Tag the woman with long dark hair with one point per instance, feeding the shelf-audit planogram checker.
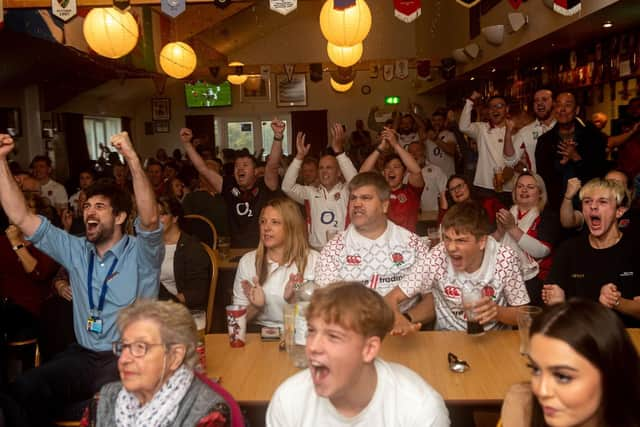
(585, 371)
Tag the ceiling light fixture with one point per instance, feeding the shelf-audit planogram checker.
(607, 24)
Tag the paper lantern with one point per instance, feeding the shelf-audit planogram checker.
(178, 60)
(344, 56)
(341, 87)
(345, 27)
(238, 78)
(110, 32)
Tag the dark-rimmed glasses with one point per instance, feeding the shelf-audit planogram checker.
(136, 348)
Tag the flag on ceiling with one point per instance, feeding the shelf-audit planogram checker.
(407, 10)
(515, 3)
(283, 7)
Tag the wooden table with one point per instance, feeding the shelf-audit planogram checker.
(252, 373)
(231, 262)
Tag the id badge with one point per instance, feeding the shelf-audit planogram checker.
(94, 324)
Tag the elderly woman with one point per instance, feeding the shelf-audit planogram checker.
(530, 230)
(585, 371)
(185, 274)
(265, 277)
(158, 385)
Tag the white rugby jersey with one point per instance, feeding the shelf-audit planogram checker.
(397, 256)
(327, 208)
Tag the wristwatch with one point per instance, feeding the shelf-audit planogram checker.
(407, 316)
(18, 247)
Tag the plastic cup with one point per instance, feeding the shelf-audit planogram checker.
(200, 317)
(470, 296)
(498, 179)
(525, 316)
(237, 325)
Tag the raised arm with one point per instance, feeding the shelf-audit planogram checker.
(507, 149)
(464, 123)
(271, 169)
(614, 141)
(212, 177)
(415, 172)
(296, 191)
(143, 192)
(11, 197)
(569, 217)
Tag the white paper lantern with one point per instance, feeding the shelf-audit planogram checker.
(178, 60)
(110, 32)
(344, 56)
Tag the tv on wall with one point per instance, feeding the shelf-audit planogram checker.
(203, 94)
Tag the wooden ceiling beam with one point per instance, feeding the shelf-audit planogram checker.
(197, 18)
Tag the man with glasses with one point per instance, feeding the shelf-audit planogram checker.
(490, 138)
(108, 269)
(569, 150)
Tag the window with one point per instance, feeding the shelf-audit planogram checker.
(240, 135)
(251, 133)
(99, 131)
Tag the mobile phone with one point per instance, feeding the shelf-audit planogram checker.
(270, 334)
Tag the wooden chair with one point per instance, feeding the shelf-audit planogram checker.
(213, 256)
(201, 228)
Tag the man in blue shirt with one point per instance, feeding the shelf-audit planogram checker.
(108, 270)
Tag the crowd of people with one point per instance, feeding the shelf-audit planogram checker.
(529, 212)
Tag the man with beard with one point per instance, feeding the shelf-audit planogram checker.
(327, 202)
(467, 259)
(404, 200)
(603, 264)
(244, 193)
(347, 383)
(373, 250)
(569, 150)
(410, 128)
(519, 150)
(490, 138)
(109, 270)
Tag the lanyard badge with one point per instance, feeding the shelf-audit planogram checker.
(94, 322)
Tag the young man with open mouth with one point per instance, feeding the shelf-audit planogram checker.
(347, 383)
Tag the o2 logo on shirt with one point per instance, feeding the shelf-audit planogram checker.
(243, 209)
(328, 217)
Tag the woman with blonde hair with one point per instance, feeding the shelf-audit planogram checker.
(266, 277)
(530, 230)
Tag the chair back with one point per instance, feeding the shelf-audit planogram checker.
(215, 263)
(201, 228)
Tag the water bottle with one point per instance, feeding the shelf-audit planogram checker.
(295, 324)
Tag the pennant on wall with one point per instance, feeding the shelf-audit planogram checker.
(515, 3)
(288, 70)
(265, 70)
(374, 69)
(387, 72)
(402, 69)
(423, 69)
(468, 3)
(407, 10)
(343, 4)
(64, 9)
(567, 7)
(283, 7)
(315, 72)
(172, 8)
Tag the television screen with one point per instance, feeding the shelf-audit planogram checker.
(203, 94)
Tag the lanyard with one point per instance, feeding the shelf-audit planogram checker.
(103, 290)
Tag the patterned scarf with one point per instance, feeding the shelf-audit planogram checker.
(161, 410)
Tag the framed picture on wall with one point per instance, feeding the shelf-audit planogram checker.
(255, 89)
(161, 126)
(160, 109)
(291, 93)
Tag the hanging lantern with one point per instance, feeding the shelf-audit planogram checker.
(338, 87)
(238, 77)
(345, 27)
(178, 60)
(110, 32)
(344, 56)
